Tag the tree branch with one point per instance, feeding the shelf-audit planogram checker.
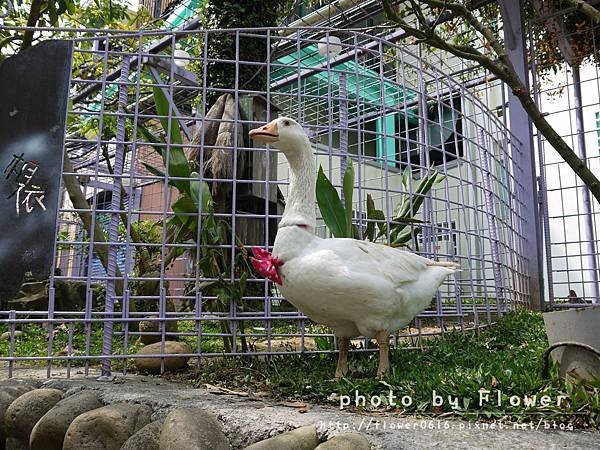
(394, 17)
(35, 12)
(486, 32)
(440, 14)
(585, 8)
(505, 71)
(79, 202)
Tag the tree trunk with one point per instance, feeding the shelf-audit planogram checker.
(79, 202)
(557, 142)
(35, 13)
(586, 9)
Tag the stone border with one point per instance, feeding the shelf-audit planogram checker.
(63, 417)
(245, 421)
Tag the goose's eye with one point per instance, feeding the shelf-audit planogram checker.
(286, 123)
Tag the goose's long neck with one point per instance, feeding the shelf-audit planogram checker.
(300, 201)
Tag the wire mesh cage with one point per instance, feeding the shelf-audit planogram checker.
(567, 89)
(164, 194)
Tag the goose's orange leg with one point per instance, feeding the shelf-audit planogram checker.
(383, 339)
(342, 364)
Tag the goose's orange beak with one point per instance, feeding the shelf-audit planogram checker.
(267, 133)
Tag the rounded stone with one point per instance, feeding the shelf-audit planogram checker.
(148, 326)
(16, 444)
(8, 394)
(192, 429)
(25, 411)
(346, 441)
(106, 428)
(303, 438)
(146, 438)
(6, 335)
(172, 361)
(49, 432)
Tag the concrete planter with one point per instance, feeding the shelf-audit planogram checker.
(575, 325)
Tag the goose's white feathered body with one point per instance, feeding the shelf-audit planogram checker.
(354, 287)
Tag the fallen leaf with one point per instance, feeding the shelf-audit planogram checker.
(224, 391)
(294, 404)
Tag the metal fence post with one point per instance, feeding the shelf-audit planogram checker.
(521, 128)
(113, 233)
(490, 213)
(588, 214)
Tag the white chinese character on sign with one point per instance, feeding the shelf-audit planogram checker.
(28, 194)
(34, 191)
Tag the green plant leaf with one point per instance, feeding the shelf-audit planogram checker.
(370, 231)
(348, 187)
(195, 186)
(173, 157)
(178, 163)
(355, 233)
(163, 109)
(70, 6)
(411, 208)
(152, 139)
(405, 175)
(405, 237)
(153, 170)
(184, 206)
(207, 201)
(330, 206)
(374, 214)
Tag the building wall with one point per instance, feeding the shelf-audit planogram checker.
(150, 5)
(462, 186)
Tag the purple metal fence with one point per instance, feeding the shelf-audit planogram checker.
(567, 90)
(366, 98)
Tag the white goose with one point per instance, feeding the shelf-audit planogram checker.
(352, 286)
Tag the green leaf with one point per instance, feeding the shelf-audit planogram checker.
(70, 5)
(195, 186)
(163, 109)
(242, 283)
(153, 170)
(427, 182)
(173, 157)
(186, 232)
(405, 175)
(330, 206)
(348, 187)
(178, 167)
(185, 206)
(411, 206)
(370, 232)
(207, 200)
(374, 214)
(404, 238)
(152, 139)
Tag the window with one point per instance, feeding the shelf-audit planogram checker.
(444, 236)
(395, 138)
(444, 128)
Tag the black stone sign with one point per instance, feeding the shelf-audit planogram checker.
(34, 91)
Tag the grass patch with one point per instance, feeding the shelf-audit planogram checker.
(505, 358)
(84, 340)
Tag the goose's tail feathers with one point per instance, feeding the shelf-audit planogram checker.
(455, 267)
